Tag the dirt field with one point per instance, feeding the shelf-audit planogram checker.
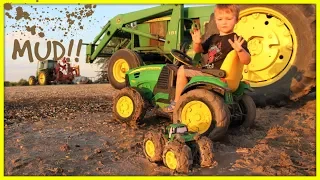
(69, 130)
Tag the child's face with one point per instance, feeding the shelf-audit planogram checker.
(225, 21)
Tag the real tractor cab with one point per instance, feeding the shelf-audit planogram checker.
(178, 148)
(208, 104)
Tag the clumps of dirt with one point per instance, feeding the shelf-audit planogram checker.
(7, 6)
(93, 154)
(22, 14)
(8, 15)
(65, 147)
(41, 34)
(39, 21)
(288, 146)
(31, 29)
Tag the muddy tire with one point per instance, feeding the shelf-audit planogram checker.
(43, 77)
(295, 78)
(153, 144)
(205, 149)
(177, 156)
(129, 106)
(209, 107)
(120, 62)
(32, 81)
(248, 107)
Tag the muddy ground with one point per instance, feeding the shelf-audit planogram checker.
(69, 130)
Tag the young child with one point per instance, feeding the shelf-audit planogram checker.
(217, 46)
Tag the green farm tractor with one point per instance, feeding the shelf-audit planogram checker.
(178, 148)
(208, 104)
(52, 72)
(282, 53)
(45, 73)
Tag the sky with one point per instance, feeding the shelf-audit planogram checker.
(61, 23)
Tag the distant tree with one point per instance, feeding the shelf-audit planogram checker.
(6, 83)
(23, 82)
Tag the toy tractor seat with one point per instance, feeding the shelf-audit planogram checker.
(233, 68)
(230, 70)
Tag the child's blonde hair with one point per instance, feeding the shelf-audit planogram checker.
(234, 9)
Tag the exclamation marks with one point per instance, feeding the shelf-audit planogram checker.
(78, 50)
(70, 49)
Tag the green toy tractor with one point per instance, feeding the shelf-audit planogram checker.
(208, 104)
(178, 148)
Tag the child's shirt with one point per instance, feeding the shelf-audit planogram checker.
(217, 47)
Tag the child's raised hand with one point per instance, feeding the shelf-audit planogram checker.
(196, 36)
(237, 43)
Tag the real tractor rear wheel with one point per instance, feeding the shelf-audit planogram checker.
(281, 40)
(177, 156)
(129, 106)
(120, 62)
(43, 77)
(32, 81)
(153, 144)
(203, 112)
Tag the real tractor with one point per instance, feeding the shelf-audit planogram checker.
(51, 71)
(177, 148)
(281, 40)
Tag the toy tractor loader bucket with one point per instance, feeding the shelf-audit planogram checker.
(233, 68)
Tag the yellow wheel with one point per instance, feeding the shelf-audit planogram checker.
(128, 106)
(125, 106)
(43, 77)
(153, 146)
(171, 160)
(281, 40)
(197, 116)
(119, 70)
(204, 112)
(150, 150)
(32, 80)
(177, 156)
(270, 37)
(120, 62)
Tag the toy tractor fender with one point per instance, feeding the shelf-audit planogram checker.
(205, 85)
(242, 89)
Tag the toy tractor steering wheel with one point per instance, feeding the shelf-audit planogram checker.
(181, 57)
